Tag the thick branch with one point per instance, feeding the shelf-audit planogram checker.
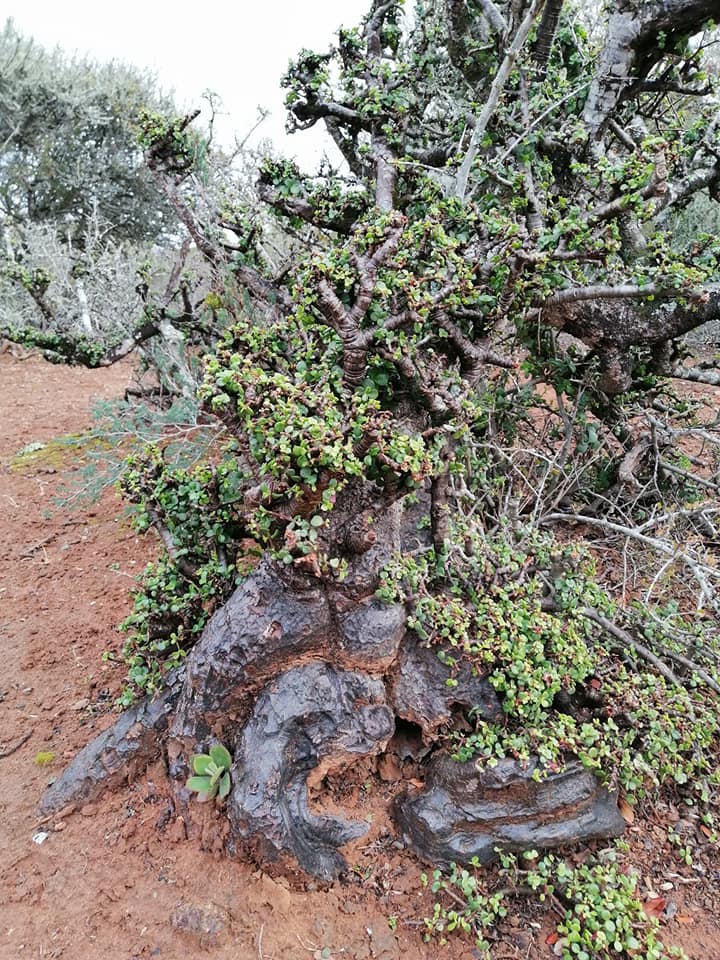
(459, 31)
(79, 350)
(145, 332)
(356, 342)
(546, 33)
(303, 209)
(473, 355)
(310, 112)
(628, 291)
(632, 38)
(616, 318)
(385, 174)
(263, 290)
(369, 267)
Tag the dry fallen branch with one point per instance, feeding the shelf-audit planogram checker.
(705, 574)
(624, 638)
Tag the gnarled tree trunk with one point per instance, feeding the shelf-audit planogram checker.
(301, 679)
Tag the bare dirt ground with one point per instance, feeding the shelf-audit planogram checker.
(120, 877)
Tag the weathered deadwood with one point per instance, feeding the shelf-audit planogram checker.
(310, 715)
(631, 48)
(421, 693)
(124, 749)
(261, 630)
(464, 812)
(266, 627)
(612, 327)
(292, 675)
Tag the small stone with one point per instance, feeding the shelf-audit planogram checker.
(128, 829)
(80, 704)
(59, 827)
(66, 811)
(383, 944)
(89, 810)
(207, 922)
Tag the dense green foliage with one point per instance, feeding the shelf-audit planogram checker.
(519, 608)
(182, 588)
(603, 917)
(69, 142)
(411, 345)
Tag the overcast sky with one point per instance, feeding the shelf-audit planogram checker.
(239, 49)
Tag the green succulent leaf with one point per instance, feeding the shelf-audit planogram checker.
(221, 756)
(201, 762)
(200, 784)
(224, 786)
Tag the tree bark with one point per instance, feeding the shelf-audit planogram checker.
(631, 37)
(301, 679)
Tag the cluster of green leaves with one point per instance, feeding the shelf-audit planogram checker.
(651, 753)
(59, 347)
(564, 690)
(604, 918)
(279, 388)
(331, 200)
(212, 773)
(384, 98)
(175, 145)
(484, 603)
(197, 506)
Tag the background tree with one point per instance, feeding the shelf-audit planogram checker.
(88, 239)
(459, 358)
(69, 143)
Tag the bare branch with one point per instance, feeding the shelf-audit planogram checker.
(702, 572)
(498, 85)
(626, 291)
(627, 640)
(186, 568)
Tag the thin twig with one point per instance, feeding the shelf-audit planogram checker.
(700, 571)
(694, 667)
(624, 637)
